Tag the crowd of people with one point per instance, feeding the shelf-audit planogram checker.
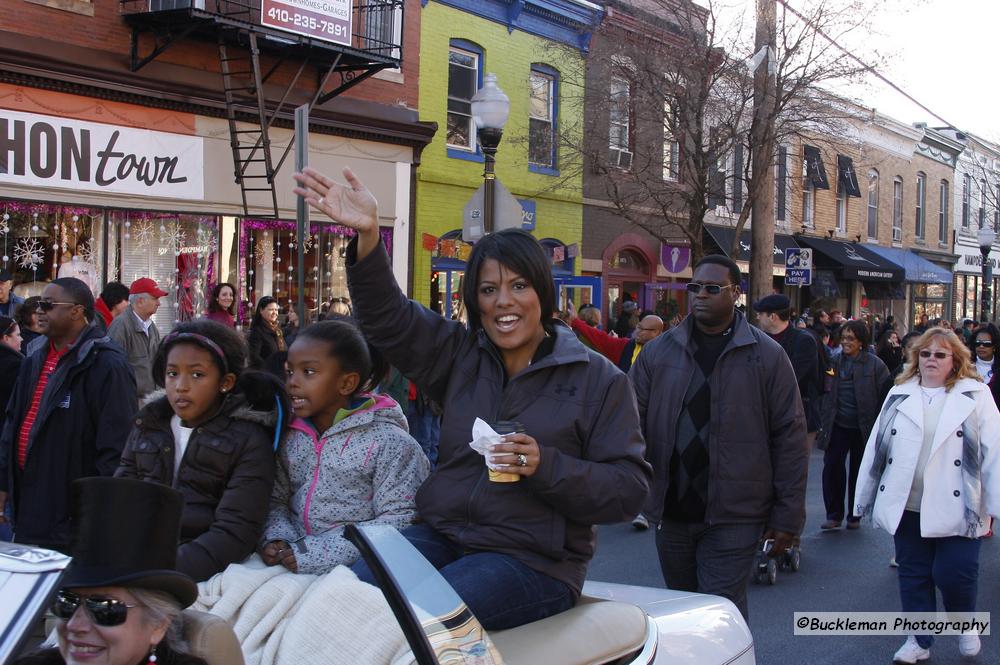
(272, 441)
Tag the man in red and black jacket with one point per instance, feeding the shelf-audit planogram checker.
(622, 351)
(113, 301)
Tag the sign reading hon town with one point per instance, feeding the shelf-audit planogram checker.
(46, 151)
(329, 20)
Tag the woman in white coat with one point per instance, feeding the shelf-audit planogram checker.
(931, 477)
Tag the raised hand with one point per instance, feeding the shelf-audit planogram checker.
(351, 205)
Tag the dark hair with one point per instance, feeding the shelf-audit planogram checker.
(213, 301)
(907, 337)
(883, 341)
(79, 293)
(114, 293)
(726, 262)
(230, 342)
(518, 251)
(994, 333)
(259, 388)
(6, 323)
(860, 330)
(25, 310)
(348, 345)
(783, 314)
(258, 320)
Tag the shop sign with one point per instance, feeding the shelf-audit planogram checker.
(47, 151)
(327, 20)
(970, 259)
(527, 214)
(675, 258)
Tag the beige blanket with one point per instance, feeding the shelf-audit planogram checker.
(282, 618)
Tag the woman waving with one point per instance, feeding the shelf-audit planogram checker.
(515, 552)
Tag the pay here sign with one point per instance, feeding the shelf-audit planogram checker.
(329, 20)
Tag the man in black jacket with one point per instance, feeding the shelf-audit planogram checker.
(68, 417)
(773, 315)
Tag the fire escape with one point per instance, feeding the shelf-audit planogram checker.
(268, 50)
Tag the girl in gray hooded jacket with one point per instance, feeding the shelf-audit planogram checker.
(347, 459)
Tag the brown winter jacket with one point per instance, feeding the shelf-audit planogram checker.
(758, 455)
(226, 477)
(575, 403)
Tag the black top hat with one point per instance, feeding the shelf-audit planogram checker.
(125, 533)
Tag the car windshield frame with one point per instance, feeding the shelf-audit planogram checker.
(29, 576)
(438, 625)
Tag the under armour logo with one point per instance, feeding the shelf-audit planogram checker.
(560, 389)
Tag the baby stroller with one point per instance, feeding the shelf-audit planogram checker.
(766, 569)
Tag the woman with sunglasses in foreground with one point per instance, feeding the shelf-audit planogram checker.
(122, 598)
(931, 477)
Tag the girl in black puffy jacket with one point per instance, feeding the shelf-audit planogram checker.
(212, 437)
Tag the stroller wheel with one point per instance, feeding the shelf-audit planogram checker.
(772, 571)
(796, 560)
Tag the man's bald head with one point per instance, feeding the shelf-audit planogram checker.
(648, 329)
(591, 316)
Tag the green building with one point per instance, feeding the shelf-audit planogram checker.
(529, 45)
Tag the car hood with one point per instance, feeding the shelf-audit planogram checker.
(693, 627)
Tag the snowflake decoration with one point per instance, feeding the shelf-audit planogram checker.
(260, 249)
(173, 237)
(143, 233)
(28, 253)
(85, 252)
(4, 225)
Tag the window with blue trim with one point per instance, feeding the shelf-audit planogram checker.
(465, 76)
(543, 110)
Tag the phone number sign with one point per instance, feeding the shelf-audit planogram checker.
(329, 20)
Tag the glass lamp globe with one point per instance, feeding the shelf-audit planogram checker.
(986, 236)
(490, 106)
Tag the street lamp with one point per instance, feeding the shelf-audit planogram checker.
(490, 108)
(986, 237)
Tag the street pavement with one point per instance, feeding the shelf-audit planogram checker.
(841, 571)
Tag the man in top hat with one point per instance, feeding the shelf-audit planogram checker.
(136, 333)
(773, 315)
(68, 417)
(8, 299)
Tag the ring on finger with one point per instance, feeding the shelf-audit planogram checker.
(522, 459)
(322, 201)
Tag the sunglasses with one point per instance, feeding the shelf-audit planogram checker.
(105, 611)
(49, 305)
(711, 289)
(984, 343)
(940, 355)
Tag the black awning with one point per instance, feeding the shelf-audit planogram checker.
(722, 236)
(815, 171)
(851, 261)
(847, 179)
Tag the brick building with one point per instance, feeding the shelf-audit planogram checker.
(531, 48)
(151, 138)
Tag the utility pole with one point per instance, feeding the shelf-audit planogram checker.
(762, 151)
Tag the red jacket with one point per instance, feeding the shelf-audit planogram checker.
(608, 346)
(103, 310)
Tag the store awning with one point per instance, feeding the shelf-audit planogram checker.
(851, 261)
(815, 170)
(918, 269)
(723, 237)
(847, 179)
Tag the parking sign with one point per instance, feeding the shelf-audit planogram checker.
(798, 266)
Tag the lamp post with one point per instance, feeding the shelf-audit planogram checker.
(490, 108)
(986, 237)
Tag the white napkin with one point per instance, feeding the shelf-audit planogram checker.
(484, 436)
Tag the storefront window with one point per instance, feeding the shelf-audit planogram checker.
(43, 241)
(179, 251)
(269, 265)
(930, 299)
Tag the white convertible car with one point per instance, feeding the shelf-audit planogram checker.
(613, 623)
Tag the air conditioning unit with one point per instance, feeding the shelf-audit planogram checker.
(897, 234)
(621, 158)
(165, 5)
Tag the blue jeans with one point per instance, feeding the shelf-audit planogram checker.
(951, 564)
(500, 590)
(425, 427)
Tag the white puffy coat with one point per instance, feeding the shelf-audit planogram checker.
(942, 506)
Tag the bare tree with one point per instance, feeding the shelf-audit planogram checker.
(667, 94)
